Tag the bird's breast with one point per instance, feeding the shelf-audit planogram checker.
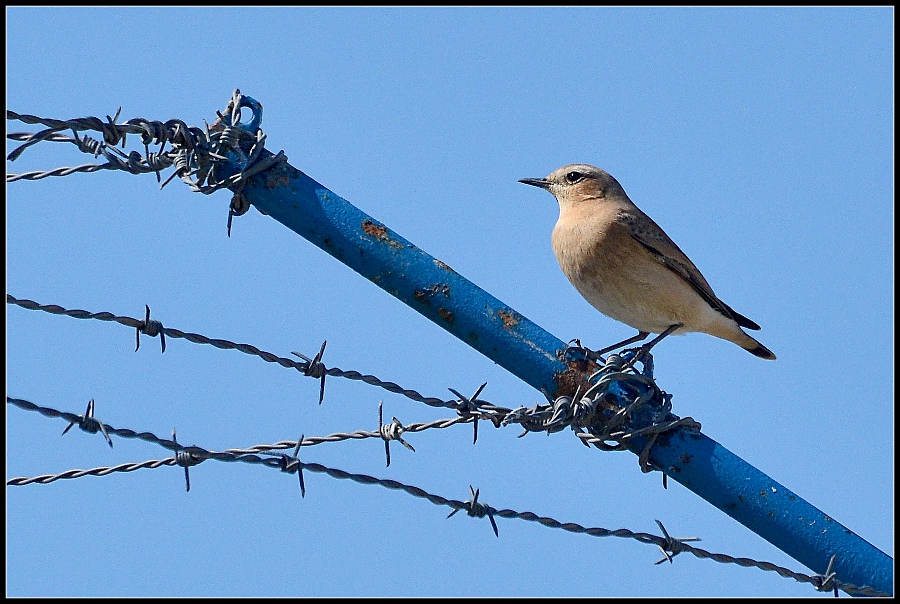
(589, 255)
(618, 277)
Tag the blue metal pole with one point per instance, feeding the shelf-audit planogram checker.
(493, 328)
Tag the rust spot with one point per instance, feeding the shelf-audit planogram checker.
(374, 230)
(274, 179)
(446, 314)
(379, 232)
(762, 493)
(685, 458)
(424, 295)
(569, 381)
(509, 319)
(442, 265)
(577, 374)
(441, 288)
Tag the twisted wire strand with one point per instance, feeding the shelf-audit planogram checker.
(196, 338)
(552, 418)
(195, 152)
(64, 171)
(194, 155)
(308, 441)
(103, 471)
(670, 546)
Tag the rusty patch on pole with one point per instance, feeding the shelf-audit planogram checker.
(379, 232)
(509, 318)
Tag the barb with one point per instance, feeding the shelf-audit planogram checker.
(292, 464)
(389, 432)
(478, 510)
(673, 546)
(603, 415)
(151, 328)
(89, 424)
(315, 368)
(468, 408)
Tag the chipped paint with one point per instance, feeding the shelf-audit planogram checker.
(509, 318)
(445, 314)
(442, 265)
(380, 233)
(375, 230)
(424, 295)
(569, 382)
(277, 178)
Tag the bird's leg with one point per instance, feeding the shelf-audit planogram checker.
(596, 354)
(643, 350)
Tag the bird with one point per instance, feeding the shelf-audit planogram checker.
(629, 269)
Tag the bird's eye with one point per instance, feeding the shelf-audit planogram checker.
(573, 177)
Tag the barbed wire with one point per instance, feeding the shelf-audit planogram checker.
(386, 432)
(195, 152)
(597, 417)
(193, 455)
(596, 411)
(311, 367)
(199, 155)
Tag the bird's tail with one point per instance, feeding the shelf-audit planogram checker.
(731, 332)
(755, 348)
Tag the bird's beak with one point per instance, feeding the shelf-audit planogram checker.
(536, 182)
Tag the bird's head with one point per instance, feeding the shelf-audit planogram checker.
(578, 183)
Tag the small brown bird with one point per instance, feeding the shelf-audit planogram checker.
(628, 268)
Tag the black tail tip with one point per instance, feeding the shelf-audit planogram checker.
(762, 352)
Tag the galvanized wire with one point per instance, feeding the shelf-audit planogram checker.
(308, 441)
(563, 412)
(195, 152)
(670, 546)
(485, 412)
(593, 411)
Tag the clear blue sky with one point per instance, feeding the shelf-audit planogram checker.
(760, 139)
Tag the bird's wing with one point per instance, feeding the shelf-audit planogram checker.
(646, 232)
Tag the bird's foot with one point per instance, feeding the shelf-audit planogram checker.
(591, 355)
(643, 353)
(637, 354)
